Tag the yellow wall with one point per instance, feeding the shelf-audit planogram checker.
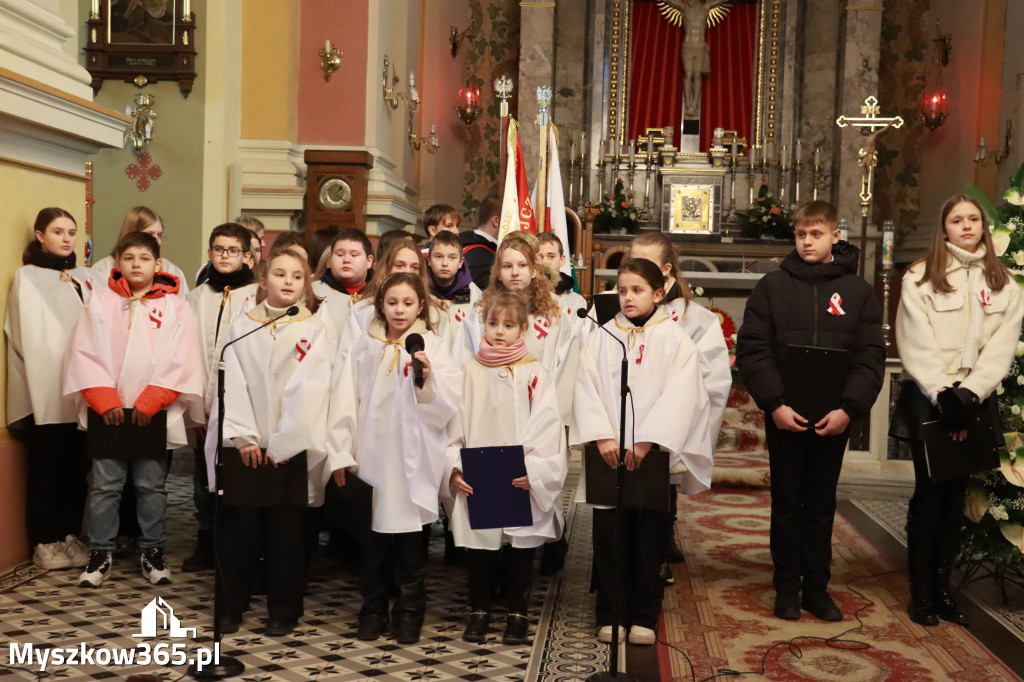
(270, 86)
(24, 191)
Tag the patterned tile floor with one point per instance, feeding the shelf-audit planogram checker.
(892, 515)
(47, 609)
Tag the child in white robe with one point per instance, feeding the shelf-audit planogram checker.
(450, 281)
(508, 399)
(275, 406)
(670, 409)
(347, 269)
(228, 291)
(142, 219)
(135, 344)
(549, 338)
(395, 433)
(43, 305)
(550, 254)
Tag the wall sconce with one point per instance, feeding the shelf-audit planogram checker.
(981, 154)
(140, 132)
(391, 98)
(1007, 146)
(414, 107)
(456, 37)
(934, 108)
(468, 105)
(330, 59)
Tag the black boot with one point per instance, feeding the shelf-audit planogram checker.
(410, 578)
(920, 554)
(476, 630)
(552, 556)
(671, 553)
(520, 576)
(948, 548)
(202, 555)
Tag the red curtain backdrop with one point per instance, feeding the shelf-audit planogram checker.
(656, 80)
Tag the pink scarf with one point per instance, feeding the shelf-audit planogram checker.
(501, 356)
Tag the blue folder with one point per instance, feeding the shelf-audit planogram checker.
(495, 502)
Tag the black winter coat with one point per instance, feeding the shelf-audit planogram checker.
(791, 307)
(479, 254)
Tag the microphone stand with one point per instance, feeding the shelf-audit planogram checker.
(612, 675)
(223, 666)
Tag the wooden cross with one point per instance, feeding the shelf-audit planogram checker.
(870, 125)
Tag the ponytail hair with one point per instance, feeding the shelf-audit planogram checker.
(667, 256)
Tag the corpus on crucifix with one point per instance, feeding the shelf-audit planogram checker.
(695, 16)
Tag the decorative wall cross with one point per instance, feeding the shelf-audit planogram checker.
(870, 125)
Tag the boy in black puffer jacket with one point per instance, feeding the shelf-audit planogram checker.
(816, 299)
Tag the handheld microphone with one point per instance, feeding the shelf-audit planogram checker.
(413, 344)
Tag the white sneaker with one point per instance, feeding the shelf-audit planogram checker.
(97, 570)
(51, 556)
(641, 635)
(154, 568)
(76, 550)
(604, 635)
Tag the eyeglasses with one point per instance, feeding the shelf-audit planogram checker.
(233, 251)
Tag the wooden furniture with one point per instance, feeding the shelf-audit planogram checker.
(336, 184)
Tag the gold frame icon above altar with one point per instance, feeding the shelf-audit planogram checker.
(691, 209)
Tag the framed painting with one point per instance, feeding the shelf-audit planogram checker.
(691, 202)
(141, 41)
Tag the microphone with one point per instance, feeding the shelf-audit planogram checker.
(584, 314)
(414, 344)
(291, 312)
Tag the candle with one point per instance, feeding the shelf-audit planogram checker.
(733, 149)
(412, 79)
(327, 46)
(433, 128)
(650, 145)
(632, 151)
(187, 14)
(817, 156)
(95, 7)
(572, 151)
(796, 156)
(888, 237)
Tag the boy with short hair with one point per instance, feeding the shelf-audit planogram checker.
(349, 269)
(816, 299)
(480, 245)
(228, 292)
(551, 254)
(135, 344)
(450, 281)
(441, 217)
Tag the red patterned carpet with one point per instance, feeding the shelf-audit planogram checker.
(719, 612)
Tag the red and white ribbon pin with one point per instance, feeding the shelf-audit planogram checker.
(541, 325)
(986, 298)
(640, 357)
(156, 316)
(835, 305)
(530, 388)
(302, 347)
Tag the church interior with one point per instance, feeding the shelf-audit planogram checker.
(708, 121)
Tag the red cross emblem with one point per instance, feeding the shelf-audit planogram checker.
(156, 316)
(541, 325)
(302, 347)
(143, 173)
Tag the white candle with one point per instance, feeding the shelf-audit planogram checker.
(433, 128)
(412, 79)
(327, 46)
(796, 156)
(817, 156)
(888, 237)
(650, 145)
(632, 151)
(732, 148)
(187, 14)
(982, 140)
(95, 7)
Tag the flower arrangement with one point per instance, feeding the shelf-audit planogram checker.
(768, 217)
(729, 330)
(617, 212)
(994, 531)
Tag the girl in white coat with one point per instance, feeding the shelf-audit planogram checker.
(275, 407)
(395, 433)
(508, 399)
(957, 328)
(43, 305)
(670, 409)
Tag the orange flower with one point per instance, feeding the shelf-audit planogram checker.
(625, 204)
(775, 210)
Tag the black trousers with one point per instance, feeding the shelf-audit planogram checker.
(804, 473)
(404, 556)
(515, 568)
(934, 520)
(57, 490)
(278, 533)
(202, 498)
(642, 537)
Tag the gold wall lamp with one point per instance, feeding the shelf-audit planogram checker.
(391, 98)
(330, 59)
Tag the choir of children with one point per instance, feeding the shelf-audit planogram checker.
(388, 380)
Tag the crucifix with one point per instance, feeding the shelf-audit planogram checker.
(870, 125)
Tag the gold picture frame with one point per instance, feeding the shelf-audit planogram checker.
(691, 209)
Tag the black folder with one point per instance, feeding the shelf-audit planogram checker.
(349, 508)
(495, 502)
(263, 486)
(606, 306)
(948, 459)
(127, 440)
(643, 488)
(813, 380)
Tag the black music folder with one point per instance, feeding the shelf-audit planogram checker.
(349, 508)
(948, 459)
(265, 485)
(644, 488)
(606, 306)
(495, 502)
(127, 440)
(813, 380)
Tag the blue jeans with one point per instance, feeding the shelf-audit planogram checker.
(149, 476)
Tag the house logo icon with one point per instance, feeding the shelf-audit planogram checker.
(155, 611)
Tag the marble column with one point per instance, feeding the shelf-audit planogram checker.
(860, 41)
(536, 68)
